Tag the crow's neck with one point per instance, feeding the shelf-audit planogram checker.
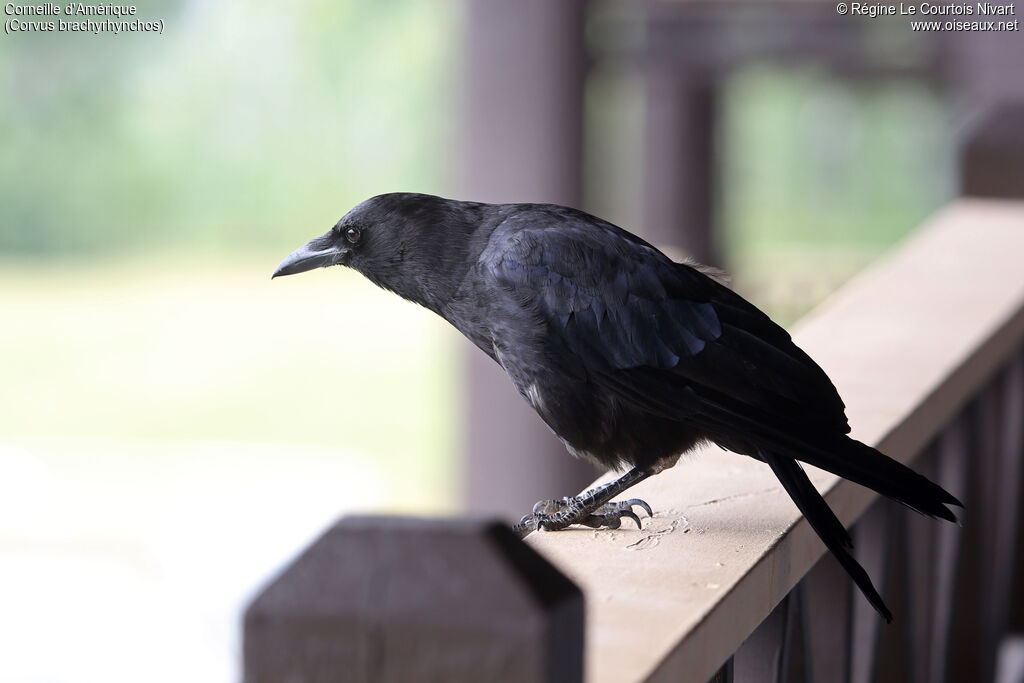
(428, 282)
(430, 263)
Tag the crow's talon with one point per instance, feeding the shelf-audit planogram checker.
(632, 516)
(642, 503)
(620, 507)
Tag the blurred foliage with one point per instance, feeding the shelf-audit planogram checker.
(816, 160)
(263, 123)
(254, 122)
(822, 175)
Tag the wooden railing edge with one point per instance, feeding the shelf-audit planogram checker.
(957, 288)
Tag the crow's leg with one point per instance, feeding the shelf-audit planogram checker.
(590, 508)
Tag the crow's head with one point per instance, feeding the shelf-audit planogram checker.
(412, 244)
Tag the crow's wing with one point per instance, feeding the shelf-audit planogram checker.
(651, 327)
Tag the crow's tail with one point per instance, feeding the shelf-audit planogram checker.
(838, 454)
(864, 465)
(824, 522)
(781, 446)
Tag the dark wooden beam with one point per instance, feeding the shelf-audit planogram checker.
(680, 175)
(391, 599)
(522, 131)
(992, 161)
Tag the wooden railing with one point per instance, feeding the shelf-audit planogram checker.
(727, 581)
(927, 349)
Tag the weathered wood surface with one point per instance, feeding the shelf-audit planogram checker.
(390, 599)
(907, 343)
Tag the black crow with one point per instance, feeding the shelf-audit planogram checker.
(630, 358)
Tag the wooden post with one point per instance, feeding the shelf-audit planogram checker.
(1011, 538)
(523, 137)
(992, 163)
(394, 599)
(826, 597)
(679, 152)
(764, 656)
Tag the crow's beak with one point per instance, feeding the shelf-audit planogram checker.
(319, 253)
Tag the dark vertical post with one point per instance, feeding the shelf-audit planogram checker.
(922, 550)
(992, 160)
(894, 651)
(679, 173)
(1008, 544)
(986, 68)
(988, 464)
(522, 135)
(963, 661)
(953, 472)
(1012, 534)
(826, 595)
(387, 600)
(872, 545)
(764, 655)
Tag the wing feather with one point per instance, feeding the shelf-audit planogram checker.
(625, 308)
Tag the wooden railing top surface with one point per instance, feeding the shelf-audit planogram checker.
(907, 342)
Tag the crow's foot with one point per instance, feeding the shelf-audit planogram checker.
(553, 515)
(591, 508)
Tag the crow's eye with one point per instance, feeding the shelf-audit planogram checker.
(353, 235)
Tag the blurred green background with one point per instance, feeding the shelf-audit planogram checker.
(149, 186)
(245, 126)
(173, 424)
